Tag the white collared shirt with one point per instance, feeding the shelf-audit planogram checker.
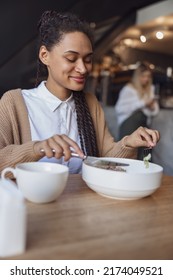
(48, 115)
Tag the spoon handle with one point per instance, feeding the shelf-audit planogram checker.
(72, 153)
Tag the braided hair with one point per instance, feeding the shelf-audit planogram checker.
(52, 26)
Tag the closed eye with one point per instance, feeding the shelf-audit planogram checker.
(70, 60)
(88, 60)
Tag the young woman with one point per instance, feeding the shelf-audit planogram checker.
(57, 115)
(136, 103)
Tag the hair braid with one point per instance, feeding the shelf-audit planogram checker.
(85, 125)
(52, 26)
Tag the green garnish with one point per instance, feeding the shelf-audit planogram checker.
(146, 160)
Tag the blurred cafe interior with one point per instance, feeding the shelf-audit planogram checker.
(126, 33)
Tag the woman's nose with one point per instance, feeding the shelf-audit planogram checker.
(81, 68)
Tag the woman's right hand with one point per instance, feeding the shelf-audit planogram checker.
(151, 104)
(61, 144)
(142, 137)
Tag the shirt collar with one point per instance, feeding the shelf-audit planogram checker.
(51, 100)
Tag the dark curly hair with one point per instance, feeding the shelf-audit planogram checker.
(52, 26)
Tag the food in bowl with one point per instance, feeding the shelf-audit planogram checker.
(146, 160)
(136, 182)
(108, 166)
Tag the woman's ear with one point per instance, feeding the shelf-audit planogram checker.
(44, 55)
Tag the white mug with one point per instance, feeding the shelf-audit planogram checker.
(40, 182)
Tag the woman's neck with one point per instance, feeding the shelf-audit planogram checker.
(61, 93)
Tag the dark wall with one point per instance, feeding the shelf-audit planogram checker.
(131, 56)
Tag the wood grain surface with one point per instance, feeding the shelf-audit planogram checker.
(84, 225)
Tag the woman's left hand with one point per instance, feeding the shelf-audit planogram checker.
(151, 104)
(142, 137)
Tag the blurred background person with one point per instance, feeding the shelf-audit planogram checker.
(92, 80)
(104, 79)
(137, 103)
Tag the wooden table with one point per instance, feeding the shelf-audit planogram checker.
(84, 225)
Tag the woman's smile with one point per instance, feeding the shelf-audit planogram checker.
(78, 79)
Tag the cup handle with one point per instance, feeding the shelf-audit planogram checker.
(6, 170)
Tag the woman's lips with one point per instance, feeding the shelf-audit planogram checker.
(79, 80)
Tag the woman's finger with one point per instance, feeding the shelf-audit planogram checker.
(154, 135)
(56, 148)
(75, 147)
(42, 148)
(149, 137)
(64, 146)
(67, 145)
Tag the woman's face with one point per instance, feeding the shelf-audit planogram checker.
(68, 62)
(145, 78)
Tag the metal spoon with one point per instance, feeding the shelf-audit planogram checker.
(95, 160)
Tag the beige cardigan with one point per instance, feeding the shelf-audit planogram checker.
(15, 135)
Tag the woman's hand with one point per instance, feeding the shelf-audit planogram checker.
(151, 104)
(142, 137)
(61, 144)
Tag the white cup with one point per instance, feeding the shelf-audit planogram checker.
(40, 182)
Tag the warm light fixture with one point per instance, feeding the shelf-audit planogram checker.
(159, 35)
(93, 25)
(169, 72)
(143, 38)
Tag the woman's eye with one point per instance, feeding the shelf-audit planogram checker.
(88, 60)
(71, 59)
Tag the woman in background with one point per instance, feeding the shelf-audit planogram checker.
(136, 103)
(47, 122)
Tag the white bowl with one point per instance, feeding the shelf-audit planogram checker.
(137, 182)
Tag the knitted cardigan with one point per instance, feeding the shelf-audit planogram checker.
(16, 145)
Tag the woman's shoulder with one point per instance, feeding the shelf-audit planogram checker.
(90, 97)
(12, 97)
(12, 94)
(128, 88)
(93, 103)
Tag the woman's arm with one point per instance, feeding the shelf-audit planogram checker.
(152, 106)
(15, 140)
(14, 147)
(127, 147)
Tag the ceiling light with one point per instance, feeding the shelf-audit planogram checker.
(159, 35)
(169, 72)
(152, 66)
(143, 38)
(93, 25)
